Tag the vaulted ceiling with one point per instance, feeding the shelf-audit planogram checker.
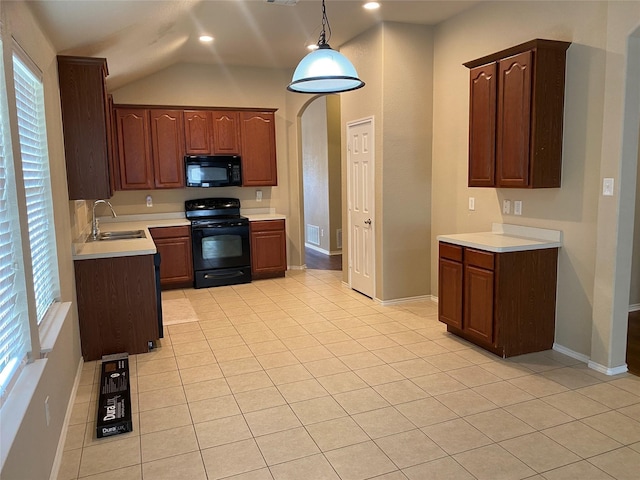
(141, 37)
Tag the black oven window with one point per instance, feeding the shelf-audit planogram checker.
(221, 246)
(199, 174)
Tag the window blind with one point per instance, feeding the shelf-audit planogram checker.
(14, 322)
(37, 183)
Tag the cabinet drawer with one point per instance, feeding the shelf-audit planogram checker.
(170, 232)
(267, 225)
(479, 258)
(452, 252)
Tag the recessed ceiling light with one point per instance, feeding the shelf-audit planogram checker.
(206, 38)
(371, 5)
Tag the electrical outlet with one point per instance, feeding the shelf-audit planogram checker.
(506, 207)
(607, 187)
(472, 203)
(149, 201)
(47, 414)
(258, 195)
(517, 207)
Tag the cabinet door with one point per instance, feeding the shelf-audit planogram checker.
(514, 120)
(85, 125)
(482, 126)
(258, 136)
(226, 132)
(268, 248)
(167, 140)
(450, 292)
(478, 303)
(197, 132)
(176, 263)
(134, 150)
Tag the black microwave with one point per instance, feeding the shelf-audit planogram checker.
(213, 171)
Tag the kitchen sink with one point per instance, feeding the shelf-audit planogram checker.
(118, 235)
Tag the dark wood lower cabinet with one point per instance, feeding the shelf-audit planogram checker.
(116, 305)
(176, 262)
(268, 249)
(503, 302)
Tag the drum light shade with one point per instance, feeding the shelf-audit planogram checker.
(324, 70)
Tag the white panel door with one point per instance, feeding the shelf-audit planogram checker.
(360, 184)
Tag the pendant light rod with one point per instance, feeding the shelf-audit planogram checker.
(324, 40)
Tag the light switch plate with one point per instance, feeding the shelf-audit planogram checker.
(607, 187)
(472, 203)
(517, 207)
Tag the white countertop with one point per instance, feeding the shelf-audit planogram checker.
(82, 250)
(504, 237)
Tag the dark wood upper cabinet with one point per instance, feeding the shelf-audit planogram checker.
(516, 116)
(167, 142)
(482, 126)
(153, 140)
(134, 149)
(514, 121)
(226, 132)
(85, 122)
(257, 131)
(198, 135)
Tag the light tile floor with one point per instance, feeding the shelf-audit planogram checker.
(303, 379)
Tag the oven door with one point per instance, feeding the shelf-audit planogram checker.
(220, 246)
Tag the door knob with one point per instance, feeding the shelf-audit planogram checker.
(367, 222)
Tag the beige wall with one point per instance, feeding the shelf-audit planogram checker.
(396, 61)
(334, 151)
(573, 208)
(315, 170)
(58, 377)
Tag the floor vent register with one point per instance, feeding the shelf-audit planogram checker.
(114, 401)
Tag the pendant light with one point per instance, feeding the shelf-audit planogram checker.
(324, 70)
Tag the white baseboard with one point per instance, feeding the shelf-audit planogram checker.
(634, 308)
(57, 461)
(399, 301)
(297, 267)
(433, 298)
(606, 370)
(571, 353)
(593, 365)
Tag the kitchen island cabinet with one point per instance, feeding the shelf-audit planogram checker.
(116, 305)
(502, 300)
(516, 108)
(268, 248)
(86, 123)
(176, 263)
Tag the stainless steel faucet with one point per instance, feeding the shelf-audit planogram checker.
(95, 230)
